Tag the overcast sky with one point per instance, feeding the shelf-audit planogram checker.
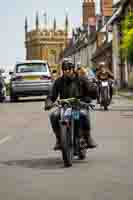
(12, 17)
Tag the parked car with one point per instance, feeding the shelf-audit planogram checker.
(30, 78)
(2, 86)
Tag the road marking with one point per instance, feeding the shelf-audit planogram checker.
(5, 139)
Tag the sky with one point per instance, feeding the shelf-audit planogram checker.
(12, 18)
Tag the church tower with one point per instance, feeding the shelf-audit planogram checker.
(37, 22)
(26, 26)
(66, 30)
(46, 43)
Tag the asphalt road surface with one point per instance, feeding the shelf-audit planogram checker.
(31, 170)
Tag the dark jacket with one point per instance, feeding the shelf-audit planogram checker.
(78, 87)
(104, 76)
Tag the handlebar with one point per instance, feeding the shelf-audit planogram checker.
(72, 101)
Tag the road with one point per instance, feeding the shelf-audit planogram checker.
(31, 170)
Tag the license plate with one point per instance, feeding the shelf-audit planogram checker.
(76, 115)
(105, 84)
(31, 78)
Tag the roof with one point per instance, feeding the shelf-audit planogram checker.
(31, 61)
(101, 49)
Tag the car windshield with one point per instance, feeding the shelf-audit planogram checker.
(31, 67)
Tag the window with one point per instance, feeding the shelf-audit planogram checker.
(31, 67)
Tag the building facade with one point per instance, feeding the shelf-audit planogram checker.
(122, 68)
(45, 44)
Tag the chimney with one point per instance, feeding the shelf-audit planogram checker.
(88, 8)
(106, 9)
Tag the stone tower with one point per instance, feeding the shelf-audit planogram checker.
(88, 9)
(46, 44)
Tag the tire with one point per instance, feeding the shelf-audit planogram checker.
(105, 98)
(2, 96)
(66, 144)
(82, 154)
(13, 98)
(1, 100)
(82, 149)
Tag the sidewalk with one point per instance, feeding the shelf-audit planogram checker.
(126, 94)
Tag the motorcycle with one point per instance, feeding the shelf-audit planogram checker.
(104, 95)
(72, 142)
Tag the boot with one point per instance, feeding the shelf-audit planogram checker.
(90, 143)
(58, 143)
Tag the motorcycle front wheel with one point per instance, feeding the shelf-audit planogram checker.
(66, 146)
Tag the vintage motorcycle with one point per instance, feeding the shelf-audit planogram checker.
(72, 142)
(104, 95)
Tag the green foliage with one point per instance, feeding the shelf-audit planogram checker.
(53, 51)
(127, 37)
(130, 80)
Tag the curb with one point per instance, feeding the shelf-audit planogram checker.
(129, 97)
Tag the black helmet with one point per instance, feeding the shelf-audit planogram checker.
(67, 65)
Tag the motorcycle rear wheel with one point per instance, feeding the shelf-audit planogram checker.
(82, 154)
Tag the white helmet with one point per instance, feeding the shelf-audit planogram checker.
(102, 63)
(67, 59)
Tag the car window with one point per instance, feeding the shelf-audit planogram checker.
(31, 67)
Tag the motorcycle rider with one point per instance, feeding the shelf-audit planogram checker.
(103, 73)
(67, 86)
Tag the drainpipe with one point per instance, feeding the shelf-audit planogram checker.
(126, 72)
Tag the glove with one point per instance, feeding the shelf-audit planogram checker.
(86, 99)
(48, 104)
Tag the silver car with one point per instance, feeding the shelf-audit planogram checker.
(30, 78)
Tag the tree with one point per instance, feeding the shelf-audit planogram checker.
(127, 37)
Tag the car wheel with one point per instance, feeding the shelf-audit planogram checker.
(13, 97)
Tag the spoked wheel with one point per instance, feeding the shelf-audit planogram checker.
(67, 147)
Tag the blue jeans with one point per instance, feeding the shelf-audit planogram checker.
(84, 121)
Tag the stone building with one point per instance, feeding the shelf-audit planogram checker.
(46, 44)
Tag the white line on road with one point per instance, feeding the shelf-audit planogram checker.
(5, 139)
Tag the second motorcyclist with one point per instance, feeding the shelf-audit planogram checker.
(103, 73)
